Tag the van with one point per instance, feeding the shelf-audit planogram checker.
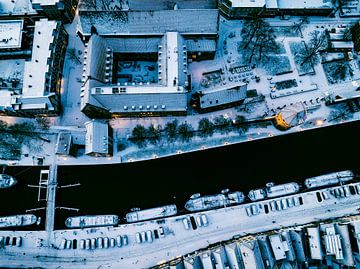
(204, 219)
(149, 236)
(138, 238)
(272, 206)
(248, 211)
(18, 241)
(82, 244)
(143, 236)
(99, 242)
(186, 223)
(112, 242)
(62, 244)
(68, 244)
(284, 204)
(198, 221)
(125, 240)
(106, 242)
(161, 232)
(93, 243)
(119, 241)
(87, 244)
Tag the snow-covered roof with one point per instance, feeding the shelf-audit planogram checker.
(45, 2)
(97, 135)
(277, 246)
(199, 45)
(145, 97)
(16, 7)
(36, 69)
(150, 22)
(271, 3)
(247, 3)
(10, 34)
(303, 4)
(63, 143)
(144, 102)
(134, 44)
(250, 255)
(161, 4)
(222, 95)
(174, 58)
(314, 243)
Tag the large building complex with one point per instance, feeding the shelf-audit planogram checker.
(136, 62)
(63, 10)
(270, 8)
(34, 88)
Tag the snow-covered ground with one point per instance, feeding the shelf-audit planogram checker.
(227, 55)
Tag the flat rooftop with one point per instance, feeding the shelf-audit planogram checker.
(16, 7)
(10, 34)
(301, 4)
(248, 3)
(35, 70)
(45, 2)
(150, 22)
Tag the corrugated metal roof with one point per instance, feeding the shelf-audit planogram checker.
(150, 22)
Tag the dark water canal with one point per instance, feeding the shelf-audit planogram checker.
(115, 189)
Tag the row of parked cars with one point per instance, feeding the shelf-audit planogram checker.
(11, 241)
(195, 222)
(95, 243)
(149, 235)
(275, 205)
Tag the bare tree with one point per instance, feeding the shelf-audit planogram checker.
(258, 39)
(309, 53)
(298, 26)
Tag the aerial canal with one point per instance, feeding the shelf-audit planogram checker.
(115, 189)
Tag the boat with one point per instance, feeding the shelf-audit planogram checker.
(91, 221)
(206, 202)
(271, 190)
(329, 179)
(18, 220)
(152, 213)
(7, 181)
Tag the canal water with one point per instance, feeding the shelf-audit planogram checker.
(115, 189)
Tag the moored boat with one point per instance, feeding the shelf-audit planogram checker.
(329, 179)
(91, 221)
(206, 202)
(7, 181)
(271, 190)
(18, 220)
(152, 213)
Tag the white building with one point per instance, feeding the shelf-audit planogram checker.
(40, 91)
(97, 141)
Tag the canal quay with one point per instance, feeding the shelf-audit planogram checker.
(115, 189)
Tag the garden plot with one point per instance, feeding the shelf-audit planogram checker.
(277, 65)
(338, 71)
